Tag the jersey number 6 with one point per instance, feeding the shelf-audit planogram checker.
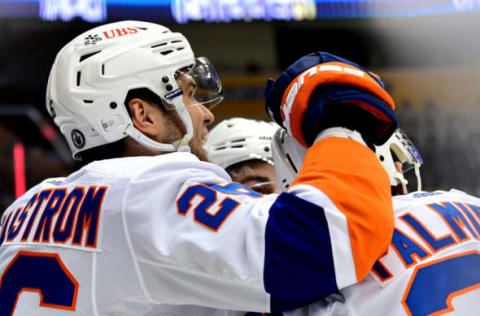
(43, 273)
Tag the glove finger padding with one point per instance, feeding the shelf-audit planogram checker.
(322, 90)
(350, 108)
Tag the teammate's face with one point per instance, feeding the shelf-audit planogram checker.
(201, 117)
(257, 175)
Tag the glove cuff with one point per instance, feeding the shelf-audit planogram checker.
(340, 132)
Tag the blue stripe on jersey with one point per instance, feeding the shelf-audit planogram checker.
(298, 254)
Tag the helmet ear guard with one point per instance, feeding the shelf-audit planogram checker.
(288, 156)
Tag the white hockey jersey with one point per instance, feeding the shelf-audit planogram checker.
(432, 266)
(171, 235)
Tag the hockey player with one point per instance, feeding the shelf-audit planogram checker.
(432, 264)
(147, 228)
(243, 148)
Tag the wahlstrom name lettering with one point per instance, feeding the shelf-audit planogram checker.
(56, 216)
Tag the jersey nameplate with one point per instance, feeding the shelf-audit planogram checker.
(461, 219)
(58, 217)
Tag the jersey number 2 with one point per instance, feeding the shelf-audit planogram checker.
(43, 273)
(204, 213)
(433, 285)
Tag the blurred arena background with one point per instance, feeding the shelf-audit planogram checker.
(427, 52)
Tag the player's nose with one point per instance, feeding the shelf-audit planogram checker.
(208, 116)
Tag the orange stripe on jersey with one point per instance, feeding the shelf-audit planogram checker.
(333, 73)
(354, 180)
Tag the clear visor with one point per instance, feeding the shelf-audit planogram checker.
(406, 167)
(409, 155)
(200, 83)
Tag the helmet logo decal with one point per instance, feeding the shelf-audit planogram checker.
(78, 138)
(92, 39)
(120, 32)
(175, 93)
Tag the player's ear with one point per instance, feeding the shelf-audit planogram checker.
(143, 116)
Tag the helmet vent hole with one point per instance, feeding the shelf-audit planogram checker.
(176, 41)
(79, 76)
(381, 158)
(82, 58)
(103, 69)
(237, 146)
(291, 163)
(238, 140)
(180, 48)
(87, 101)
(158, 45)
(166, 52)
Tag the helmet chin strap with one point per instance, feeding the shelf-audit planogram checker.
(187, 121)
(145, 141)
(180, 145)
(419, 178)
(401, 180)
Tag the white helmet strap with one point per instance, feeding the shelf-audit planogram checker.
(151, 144)
(187, 121)
(401, 180)
(178, 145)
(419, 178)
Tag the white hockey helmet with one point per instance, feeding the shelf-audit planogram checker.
(92, 75)
(237, 140)
(288, 156)
(405, 152)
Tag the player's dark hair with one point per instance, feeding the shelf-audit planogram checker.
(146, 95)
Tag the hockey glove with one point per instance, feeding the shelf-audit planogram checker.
(321, 90)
